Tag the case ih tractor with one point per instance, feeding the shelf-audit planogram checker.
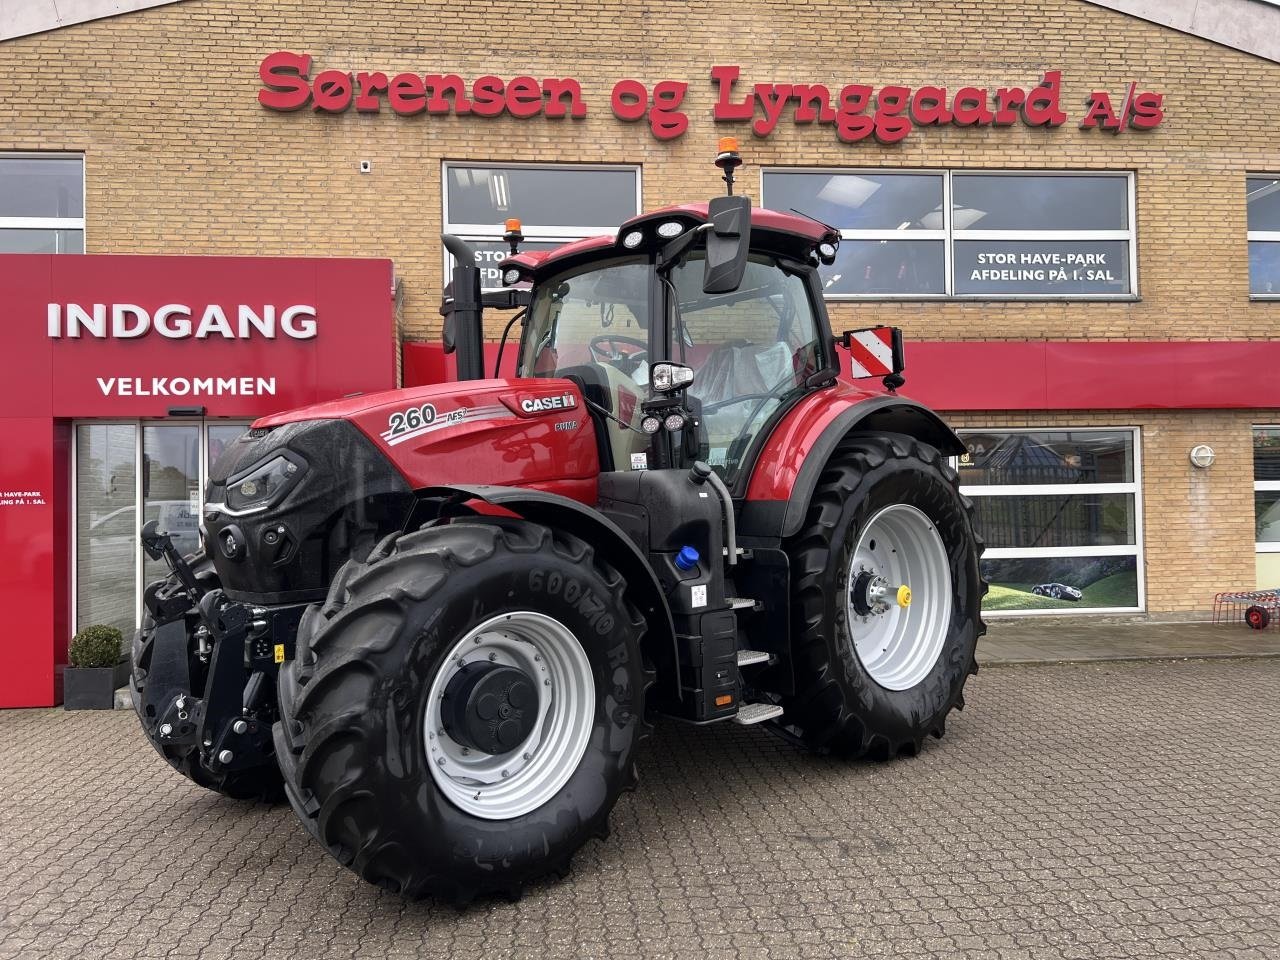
(442, 619)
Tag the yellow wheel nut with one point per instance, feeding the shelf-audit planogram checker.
(904, 596)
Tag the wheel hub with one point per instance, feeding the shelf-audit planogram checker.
(870, 594)
(508, 714)
(490, 708)
(898, 637)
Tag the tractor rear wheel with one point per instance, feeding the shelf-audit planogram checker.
(886, 600)
(464, 710)
(261, 782)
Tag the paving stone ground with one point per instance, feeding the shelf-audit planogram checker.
(1095, 810)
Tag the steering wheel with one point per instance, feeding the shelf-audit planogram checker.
(612, 354)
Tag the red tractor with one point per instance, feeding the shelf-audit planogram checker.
(442, 619)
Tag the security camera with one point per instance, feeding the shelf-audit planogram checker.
(366, 166)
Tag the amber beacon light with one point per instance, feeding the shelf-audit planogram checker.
(728, 160)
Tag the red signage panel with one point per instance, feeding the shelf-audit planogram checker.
(102, 336)
(29, 580)
(135, 337)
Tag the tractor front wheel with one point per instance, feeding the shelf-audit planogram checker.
(886, 600)
(463, 711)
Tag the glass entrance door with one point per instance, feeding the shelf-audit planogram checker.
(127, 474)
(171, 488)
(106, 498)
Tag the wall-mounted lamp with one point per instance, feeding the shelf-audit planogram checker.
(1202, 456)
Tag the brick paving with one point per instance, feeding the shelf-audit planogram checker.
(1095, 810)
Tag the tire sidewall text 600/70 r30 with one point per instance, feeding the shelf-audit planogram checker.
(897, 484)
(353, 740)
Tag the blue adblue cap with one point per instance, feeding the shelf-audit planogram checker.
(687, 558)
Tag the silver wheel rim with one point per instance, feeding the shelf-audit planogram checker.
(898, 644)
(507, 785)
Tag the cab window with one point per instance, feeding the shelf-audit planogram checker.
(751, 350)
(597, 315)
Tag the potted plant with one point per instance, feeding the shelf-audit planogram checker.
(97, 669)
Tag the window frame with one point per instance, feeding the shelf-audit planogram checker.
(948, 235)
(1264, 486)
(533, 233)
(1259, 236)
(51, 223)
(1137, 549)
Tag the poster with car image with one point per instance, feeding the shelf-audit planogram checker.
(1061, 583)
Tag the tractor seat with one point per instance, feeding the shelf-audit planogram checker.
(740, 368)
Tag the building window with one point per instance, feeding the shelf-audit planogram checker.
(127, 474)
(1266, 504)
(554, 204)
(41, 203)
(1262, 201)
(1061, 514)
(1009, 235)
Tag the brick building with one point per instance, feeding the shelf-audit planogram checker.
(1079, 231)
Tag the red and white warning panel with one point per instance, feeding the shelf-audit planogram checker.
(874, 351)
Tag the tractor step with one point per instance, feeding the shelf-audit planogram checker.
(757, 713)
(740, 603)
(748, 657)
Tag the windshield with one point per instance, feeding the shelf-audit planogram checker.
(751, 351)
(595, 315)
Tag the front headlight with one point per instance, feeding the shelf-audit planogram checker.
(263, 485)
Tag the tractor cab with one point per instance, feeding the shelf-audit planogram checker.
(689, 332)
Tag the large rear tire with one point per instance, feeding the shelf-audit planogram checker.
(877, 668)
(377, 758)
(260, 782)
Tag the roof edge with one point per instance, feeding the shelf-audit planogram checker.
(1250, 26)
(29, 17)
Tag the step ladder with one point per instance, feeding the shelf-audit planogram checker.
(750, 713)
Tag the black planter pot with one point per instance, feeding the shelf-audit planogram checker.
(93, 688)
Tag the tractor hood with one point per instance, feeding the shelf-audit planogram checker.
(286, 506)
(529, 431)
(303, 491)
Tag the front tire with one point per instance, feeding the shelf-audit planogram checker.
(878, 669)
(412, 791)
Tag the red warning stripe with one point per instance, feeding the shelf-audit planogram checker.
(872, 352)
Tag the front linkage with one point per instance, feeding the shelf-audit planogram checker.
(229, 652)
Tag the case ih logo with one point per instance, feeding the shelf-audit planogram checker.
(854, 111)
(565, 401)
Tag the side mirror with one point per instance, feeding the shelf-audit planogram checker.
(728, 244)
(876, 352)
(153, 541)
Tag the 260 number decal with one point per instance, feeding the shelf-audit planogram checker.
(402, 421)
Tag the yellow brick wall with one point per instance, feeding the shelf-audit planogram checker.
(181, 158)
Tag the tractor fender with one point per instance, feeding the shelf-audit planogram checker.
(798, 448)
(561, 513)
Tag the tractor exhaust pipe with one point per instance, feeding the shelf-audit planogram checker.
(463, 311)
